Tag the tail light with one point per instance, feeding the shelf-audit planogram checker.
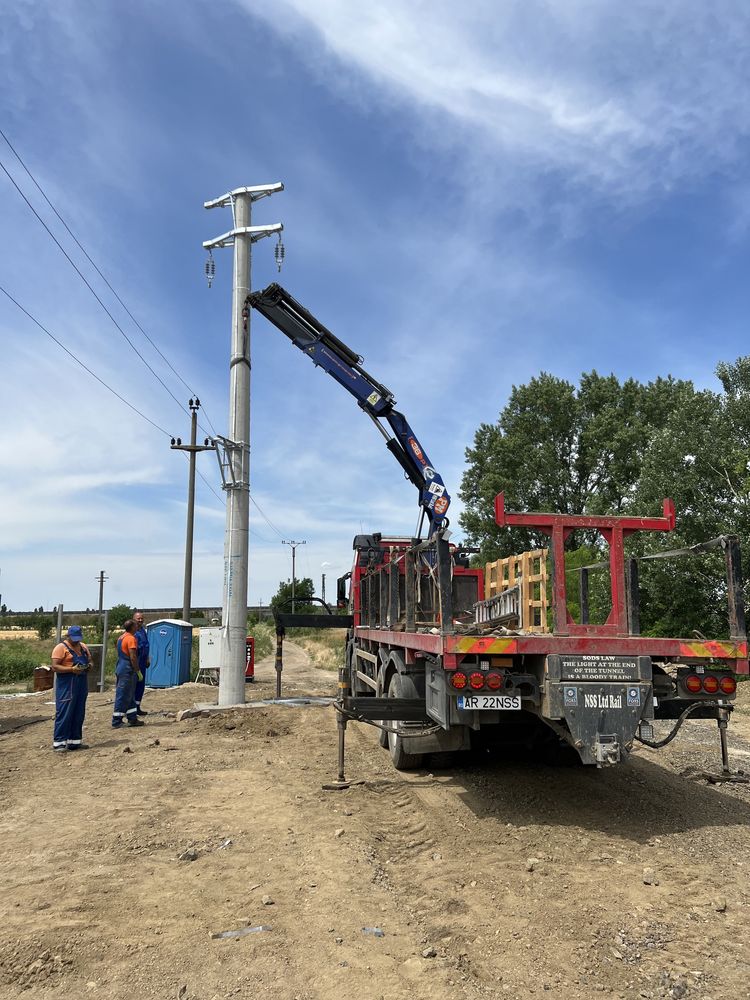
(693, 683)
(494, 681)
(458, 680)
(476, 681)
(728, 684)
(710, 684)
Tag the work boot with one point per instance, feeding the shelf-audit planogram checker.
(59, 749)
(78, 746)
(116, 723)
(140, 711)
(135, 722)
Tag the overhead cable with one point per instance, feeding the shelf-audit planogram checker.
(99, 271)
(108, 387)
(82, 365)
(260, 510)
(90, 287)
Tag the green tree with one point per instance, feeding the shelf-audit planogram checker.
(304, 589)
(44, 625)
(119, 614)
(611, 447)
(560, 448)
(691, 459)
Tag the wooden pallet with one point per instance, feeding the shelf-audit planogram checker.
(528, 571)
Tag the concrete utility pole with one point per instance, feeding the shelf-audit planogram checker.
(100, 579)
(323, 587)
(234, 451)
(294, 545)
(192, 449)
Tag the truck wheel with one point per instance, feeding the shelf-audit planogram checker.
(402, 687)
(382, 734)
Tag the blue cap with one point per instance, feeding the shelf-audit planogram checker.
(75, 632)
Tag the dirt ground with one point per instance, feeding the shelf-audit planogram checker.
(499, 878)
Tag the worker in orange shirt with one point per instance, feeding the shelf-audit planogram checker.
(71, 660)
(127, 674)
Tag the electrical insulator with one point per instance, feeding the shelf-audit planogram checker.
(279, 252)
(210, 269)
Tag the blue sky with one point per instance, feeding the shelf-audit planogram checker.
(472, 195)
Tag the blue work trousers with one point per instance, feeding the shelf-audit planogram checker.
(140, 687)
(125, 707)
(71, 692)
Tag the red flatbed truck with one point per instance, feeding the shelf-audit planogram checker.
(432, 660)
(424, 639)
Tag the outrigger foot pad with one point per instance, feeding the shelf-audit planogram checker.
(337, 786)
(718, 779)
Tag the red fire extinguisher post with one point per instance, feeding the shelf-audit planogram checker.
(249, 660)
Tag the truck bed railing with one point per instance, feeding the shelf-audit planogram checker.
(411, 589)
(729, 546)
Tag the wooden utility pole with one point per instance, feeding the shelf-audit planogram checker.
(192, 449)
(293, 546)
(100, 579)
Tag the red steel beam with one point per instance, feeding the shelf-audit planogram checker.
(613, 529)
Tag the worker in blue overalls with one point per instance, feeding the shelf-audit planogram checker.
(71, 660)
(143, 660)
(126, 673)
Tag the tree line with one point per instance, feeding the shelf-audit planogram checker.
(606, 446)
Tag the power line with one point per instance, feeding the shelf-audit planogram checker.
(90, 287)
(218, 497)
(109, 388)
(262, 514)
(79, 362)
(221, 500)
(114, 392)
(99, 272)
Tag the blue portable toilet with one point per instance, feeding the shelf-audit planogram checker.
(170, 642)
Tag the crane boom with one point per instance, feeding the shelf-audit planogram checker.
(345, 366)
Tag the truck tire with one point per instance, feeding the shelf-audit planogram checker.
(383, 735)
(402, 686)
(382, 693)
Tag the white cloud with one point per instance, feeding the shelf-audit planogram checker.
(627, 98)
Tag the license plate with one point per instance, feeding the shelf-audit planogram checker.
(493, 702)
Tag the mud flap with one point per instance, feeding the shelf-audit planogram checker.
(456, 738)
(437, 703)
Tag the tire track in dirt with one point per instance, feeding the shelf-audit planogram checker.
(581, 921)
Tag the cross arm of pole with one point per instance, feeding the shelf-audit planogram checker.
(255, 192)
(193, 447)
(254, 232)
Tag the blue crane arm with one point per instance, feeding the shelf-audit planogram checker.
(332, 355)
